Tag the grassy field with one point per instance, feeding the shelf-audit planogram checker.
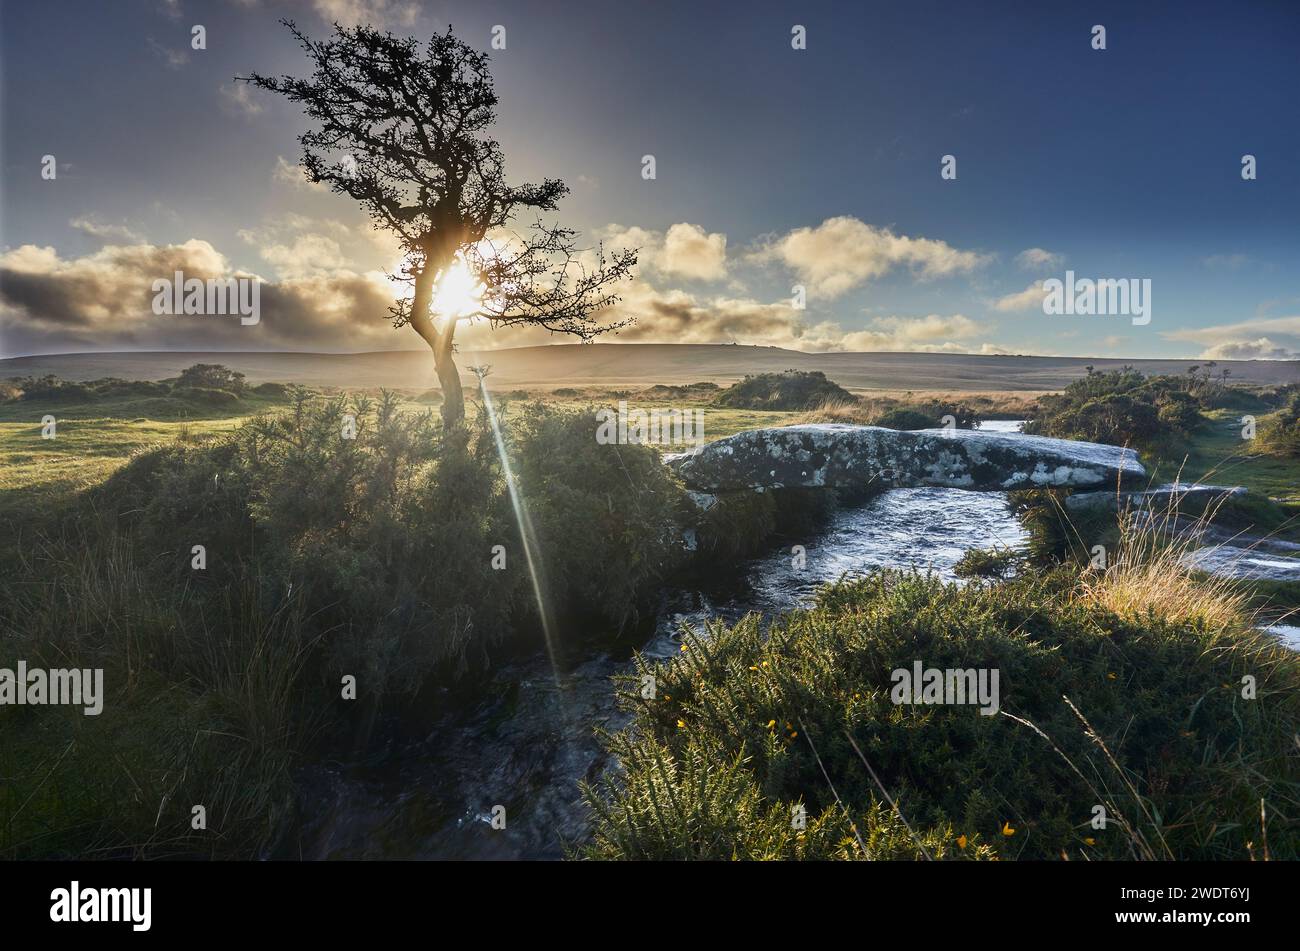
(92, 440)
(634, 365)
(1220, 456)
(322, 552)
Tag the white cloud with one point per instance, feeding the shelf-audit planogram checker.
(691, 252)
(687, 250)
(844, 252)
(376, 13)
(1246, 339)
(90, 225)
(1034, 259)
(298, 246)
(239, 99)
(292, 174)
(1259, 349)
(1031, 298)
(1222, 333)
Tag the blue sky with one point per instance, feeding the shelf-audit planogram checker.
(774, 167)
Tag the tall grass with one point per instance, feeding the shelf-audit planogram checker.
(1141, 712)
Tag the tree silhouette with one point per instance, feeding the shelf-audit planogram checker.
(403, 129)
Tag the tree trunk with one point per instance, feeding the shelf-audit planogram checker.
(453, 397)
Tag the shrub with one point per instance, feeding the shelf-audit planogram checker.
(1279, 433)
(212, 376)
(205, 396)
(50, 387)
(607, 518)
(1122, 407)
(271, 389)
(791, 390)
(905, 419)
(997, 563)
(1144, 717)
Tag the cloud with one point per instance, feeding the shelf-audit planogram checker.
(913, 333)
(90, 225)
(1031, 298)
(1246, 339)
(313, 301)
(690, 252)
(677, 316)
(1222, 333)
(376, 13)
(687, 250)
(292, 174)
(1228, 262)
(1260, 349)
(1034, 259)
(299, 246)
(103, 301)
(238, 99)
(174, 59)
(842, 253)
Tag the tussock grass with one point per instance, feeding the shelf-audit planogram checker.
(1142, 716)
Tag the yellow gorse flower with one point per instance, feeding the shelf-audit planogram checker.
(1007, 830)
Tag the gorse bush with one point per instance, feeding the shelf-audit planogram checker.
(212, 376)
(791, 390)
(1123, 407)
(749, 724)
(1279, 433)
(372, 556)
(607, 518)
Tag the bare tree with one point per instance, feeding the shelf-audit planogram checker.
(403, 129)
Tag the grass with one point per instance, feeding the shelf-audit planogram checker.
(1219, 455)
(217, 690)
(1145, 718)
(94, 439)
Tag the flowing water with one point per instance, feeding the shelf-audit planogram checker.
(527, 741)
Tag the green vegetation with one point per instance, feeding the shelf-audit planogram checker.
(791, 390)
(326, 557)
(1279, 436)
(1122, 408)
(995, 563)
(749, 724)
(373, 557)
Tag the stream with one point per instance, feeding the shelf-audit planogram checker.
(527, 741)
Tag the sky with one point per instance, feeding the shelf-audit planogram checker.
(775, 168)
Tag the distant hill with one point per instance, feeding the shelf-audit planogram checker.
(630, 364)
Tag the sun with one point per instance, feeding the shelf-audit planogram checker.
(457, 292)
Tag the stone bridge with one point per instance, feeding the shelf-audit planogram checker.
(841, 456)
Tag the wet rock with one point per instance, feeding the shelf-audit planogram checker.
(1229, 561)
(1166, 496)
(842, 456)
